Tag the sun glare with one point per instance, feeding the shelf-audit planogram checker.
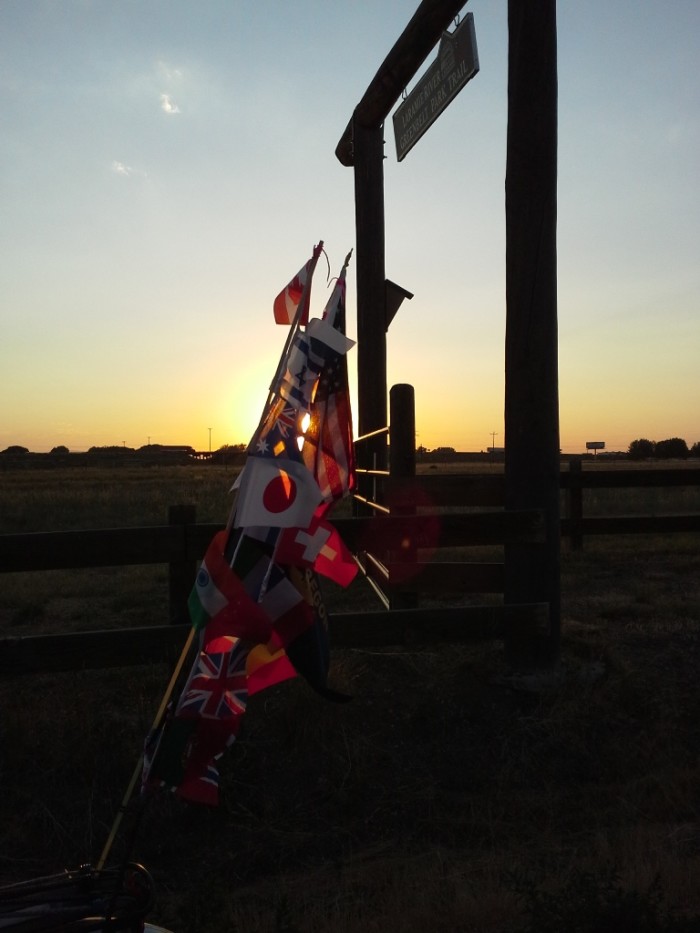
(303, 428)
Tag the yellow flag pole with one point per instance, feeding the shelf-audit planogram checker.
(139, 764)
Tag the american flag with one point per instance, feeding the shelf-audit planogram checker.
(328, 444)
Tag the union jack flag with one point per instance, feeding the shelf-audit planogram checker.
(202, 785)
(217, 687)
(279, 434)
(287, 421)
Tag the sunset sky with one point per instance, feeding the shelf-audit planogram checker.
(167, 166)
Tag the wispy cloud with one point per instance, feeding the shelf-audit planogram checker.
(168, 105)
(167, 72)
(119, 168)
(126, 171)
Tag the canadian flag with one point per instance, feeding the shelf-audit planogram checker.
(287, 302)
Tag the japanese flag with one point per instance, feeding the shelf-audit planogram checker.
(276, 492)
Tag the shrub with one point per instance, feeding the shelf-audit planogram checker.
(641, 449)
(673, 448)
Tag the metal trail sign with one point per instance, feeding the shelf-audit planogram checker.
(457, 61)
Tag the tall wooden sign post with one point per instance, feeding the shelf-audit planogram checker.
(362, 147)
(531, 397)
(532, 572)
(368, 156)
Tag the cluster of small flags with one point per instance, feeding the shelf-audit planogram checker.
(256, 605)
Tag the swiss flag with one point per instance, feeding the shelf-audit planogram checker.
(318, 546)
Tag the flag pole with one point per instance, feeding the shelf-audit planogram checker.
(290, 337)
(279, 402)
(304, 301)
(340, 277)
(139, 764)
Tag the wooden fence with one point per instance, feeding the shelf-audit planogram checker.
(401, 544)
(181, 544)
(575, 480)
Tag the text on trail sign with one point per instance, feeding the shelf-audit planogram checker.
(457, 61)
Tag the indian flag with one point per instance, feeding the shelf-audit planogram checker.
(220, 602)
(206, 599)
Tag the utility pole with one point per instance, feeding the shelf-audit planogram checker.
(209, 429)
(493, 439)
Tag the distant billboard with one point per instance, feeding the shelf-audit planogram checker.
(595, 445)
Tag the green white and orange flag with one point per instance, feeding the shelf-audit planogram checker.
(219, 600)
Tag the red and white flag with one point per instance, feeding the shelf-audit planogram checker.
(276, 492)
(319, 547)
(286, 304)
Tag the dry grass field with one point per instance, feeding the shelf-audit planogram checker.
(445, 796)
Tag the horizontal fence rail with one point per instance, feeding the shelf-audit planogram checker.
(575, 480)
(46, 654)
(483, 489)
(158, 544)
(162, 544)
(374, 538)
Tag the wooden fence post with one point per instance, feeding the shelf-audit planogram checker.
(183, 570)
(532, 464)
(574, 504)
(402, 432)
(402, 469)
